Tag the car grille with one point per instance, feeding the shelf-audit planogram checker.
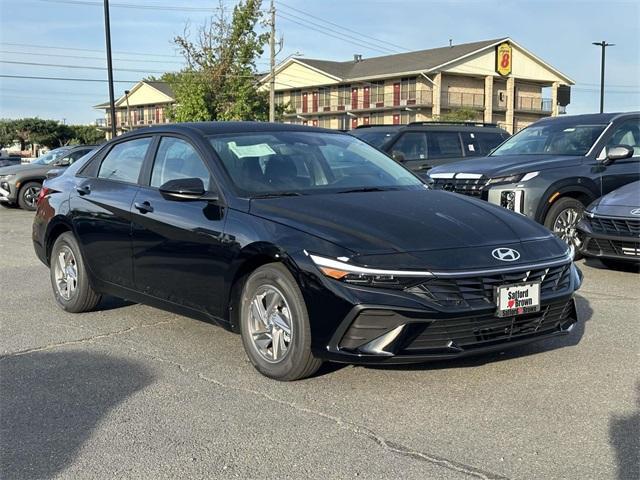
(470, 333)
(615, 226)
(466, 186)
(599, 246)
(479, 291)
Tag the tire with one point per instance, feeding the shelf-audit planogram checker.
(28, 195)
(563, 223)
(294, 360)
(74, 297)
(8, 205)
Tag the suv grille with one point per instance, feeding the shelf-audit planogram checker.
(600, 246)
(477, 332)
(467, 186)
(478, 291)
(615, 226)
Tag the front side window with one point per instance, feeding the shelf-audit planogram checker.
(552, 138)
(307, 163)
(444, 145)
(177, 159)
(411, 146)
(124, 161)
(628, 134)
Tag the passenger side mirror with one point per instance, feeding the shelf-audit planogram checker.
(63, 162)
(398, 156)
(617, 152)
(186, 189)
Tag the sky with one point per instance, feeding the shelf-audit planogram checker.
(71, 33)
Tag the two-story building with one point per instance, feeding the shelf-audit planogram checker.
(145, 104)
(498, 79)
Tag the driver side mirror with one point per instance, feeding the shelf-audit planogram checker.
(186, 189)
(397, 156)
(617, 152)
(63, 162)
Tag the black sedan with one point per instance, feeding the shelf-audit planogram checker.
(610, 228)
(310, 243)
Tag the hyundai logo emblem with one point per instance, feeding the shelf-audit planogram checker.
(505, 254)
(635, 211)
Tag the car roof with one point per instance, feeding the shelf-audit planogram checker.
(455, 126)
(214, 128)
(588, 118)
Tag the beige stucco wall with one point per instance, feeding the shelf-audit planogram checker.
(295, 76)
(145, 95)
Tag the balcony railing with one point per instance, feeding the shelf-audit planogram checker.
(462, 99)
(534, 104)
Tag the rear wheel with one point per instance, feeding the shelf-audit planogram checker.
(275, 325)
(563, 218)
(28, 195)
(69, 279)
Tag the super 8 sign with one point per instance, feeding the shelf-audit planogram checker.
(503, 59)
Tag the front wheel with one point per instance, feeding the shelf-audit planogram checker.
(274, 324)
(69, 280)
(28, 195)
(563, 218)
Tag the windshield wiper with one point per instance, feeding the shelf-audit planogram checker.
(277, 194)
(367, 189)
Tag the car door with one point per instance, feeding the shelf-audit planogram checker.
(621, 172)
(179, 247)
(411, 150)
(101, 209)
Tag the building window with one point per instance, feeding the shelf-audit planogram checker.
(296, 99)
(377, 118)
(344, 95)
(377, 92)
(408, 89)
(407, 117)
(279, 98)
(324, 97)
(324, 122)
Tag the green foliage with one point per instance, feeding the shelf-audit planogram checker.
(7, 133)
(221, 81)
(460, 115)
(86, 135)
(48, 133)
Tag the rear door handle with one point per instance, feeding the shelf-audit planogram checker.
(84, 189)
(143, 207)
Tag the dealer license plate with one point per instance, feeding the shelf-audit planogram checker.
(518, 299)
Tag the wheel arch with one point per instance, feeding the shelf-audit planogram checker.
(57, 226)
(583, 189)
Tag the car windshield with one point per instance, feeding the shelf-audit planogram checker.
(50, 157)
(551, 138)
(377, 138)
(302, 163)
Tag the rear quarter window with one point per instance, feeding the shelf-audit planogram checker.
(481, 143)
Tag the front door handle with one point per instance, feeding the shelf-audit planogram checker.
(143, 207)
(84, 189)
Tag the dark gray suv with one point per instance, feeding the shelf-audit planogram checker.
(552, 169)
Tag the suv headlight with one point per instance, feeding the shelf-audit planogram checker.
(371, 277)
(7, 177)
(519, 177)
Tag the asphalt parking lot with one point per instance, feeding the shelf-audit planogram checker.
(129, 391)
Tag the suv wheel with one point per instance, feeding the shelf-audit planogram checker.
(69, 279)
(563, 218)
(275, 325)
(28, 195)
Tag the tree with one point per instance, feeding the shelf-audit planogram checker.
(86, 134)
(459, 115)
(7, 133)
(220, 81)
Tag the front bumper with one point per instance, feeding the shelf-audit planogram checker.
(8, 193)
(455, 319)
(610, 237)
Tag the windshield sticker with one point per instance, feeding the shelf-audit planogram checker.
(258, 150)
(569, 130)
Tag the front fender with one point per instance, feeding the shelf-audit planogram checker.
(582, 186)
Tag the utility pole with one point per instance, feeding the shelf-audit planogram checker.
(272, 62)
(603, 45)
(107, 34)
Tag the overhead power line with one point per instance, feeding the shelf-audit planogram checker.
(88, 3)
(83, 57)
(80, 67)
(87, 50)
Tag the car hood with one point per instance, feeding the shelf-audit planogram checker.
(498, 166)
(15, 169)
(620, 202)
(413, 227)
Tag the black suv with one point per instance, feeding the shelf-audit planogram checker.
(423, 145)
(552, 169)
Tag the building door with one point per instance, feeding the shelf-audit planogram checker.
(365, 121)
(365, 97)
(396, 119)
(305, 103)
(157, 114)
(354, 123)
(305, 122)
(314, 102)
(314, 123)
(354, 98)
(396, 94)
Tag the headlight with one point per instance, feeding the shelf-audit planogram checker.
(519, 177)
(372, 277)
(7, 177)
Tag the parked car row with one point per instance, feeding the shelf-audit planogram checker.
(20, 184)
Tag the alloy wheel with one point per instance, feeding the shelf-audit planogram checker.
(565, 226)
(66, 272)
(270, 323)
(30, 196)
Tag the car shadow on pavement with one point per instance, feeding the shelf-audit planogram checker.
(112, 303)
(624, 436)
(50, 403)
(632, 267)
(585, 313)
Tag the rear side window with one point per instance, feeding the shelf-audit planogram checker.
(411, 146)
(444, 145)
(177, 159)
(480, 143)
(124, 161)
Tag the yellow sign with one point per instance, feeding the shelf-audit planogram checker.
(503, 59)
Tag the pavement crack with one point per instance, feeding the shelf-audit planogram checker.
(79, 341)
(380, 440)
